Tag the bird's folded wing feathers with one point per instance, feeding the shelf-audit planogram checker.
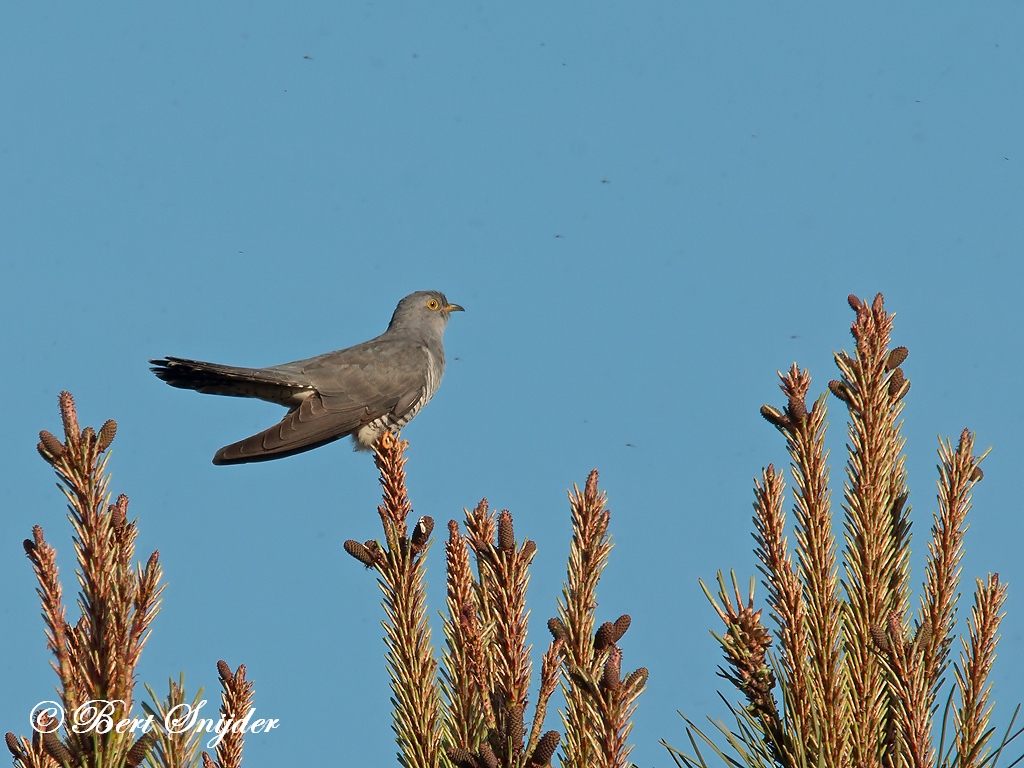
(350, 392)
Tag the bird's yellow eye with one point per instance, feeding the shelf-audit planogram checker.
(432, 304)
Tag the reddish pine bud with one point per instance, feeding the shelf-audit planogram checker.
(879, 638)
(453, 530)
(604, 636)
(977, 474)
(359, 552)
(775, 417)
(924, 634)
(225, 671)
(467, 614)
(106, 437)
(840, 390)
(964, 441)
(896, 357)
(14, 746)
(50, 447)
(462, 757)
(516, 727)
(898, 393)
(797, 410)
(896, 379)
(637, 679)
(611, 680)
(119, 512)
(855, 303)
(487, 757)
(55, 748)
(545, 749)
(896, 633)
(557, 629)
(139, 750)
(421, 533)
(529, 550)
(88, 436)
(68, 415)
(621, 625)
(208, 761)
(506, 535)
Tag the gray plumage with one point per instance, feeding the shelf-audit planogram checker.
(360, 391)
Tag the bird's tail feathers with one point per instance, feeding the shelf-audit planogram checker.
(214, 379)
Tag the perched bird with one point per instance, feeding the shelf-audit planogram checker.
(360, 391)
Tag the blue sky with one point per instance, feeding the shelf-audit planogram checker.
(646, 209)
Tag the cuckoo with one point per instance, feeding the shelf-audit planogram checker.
(360, 391)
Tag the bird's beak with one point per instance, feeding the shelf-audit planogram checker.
(454, 308)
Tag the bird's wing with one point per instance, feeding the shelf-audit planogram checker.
(276, 385)
(353, 387)
(367, 381)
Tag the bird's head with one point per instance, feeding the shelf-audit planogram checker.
(423, 310)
